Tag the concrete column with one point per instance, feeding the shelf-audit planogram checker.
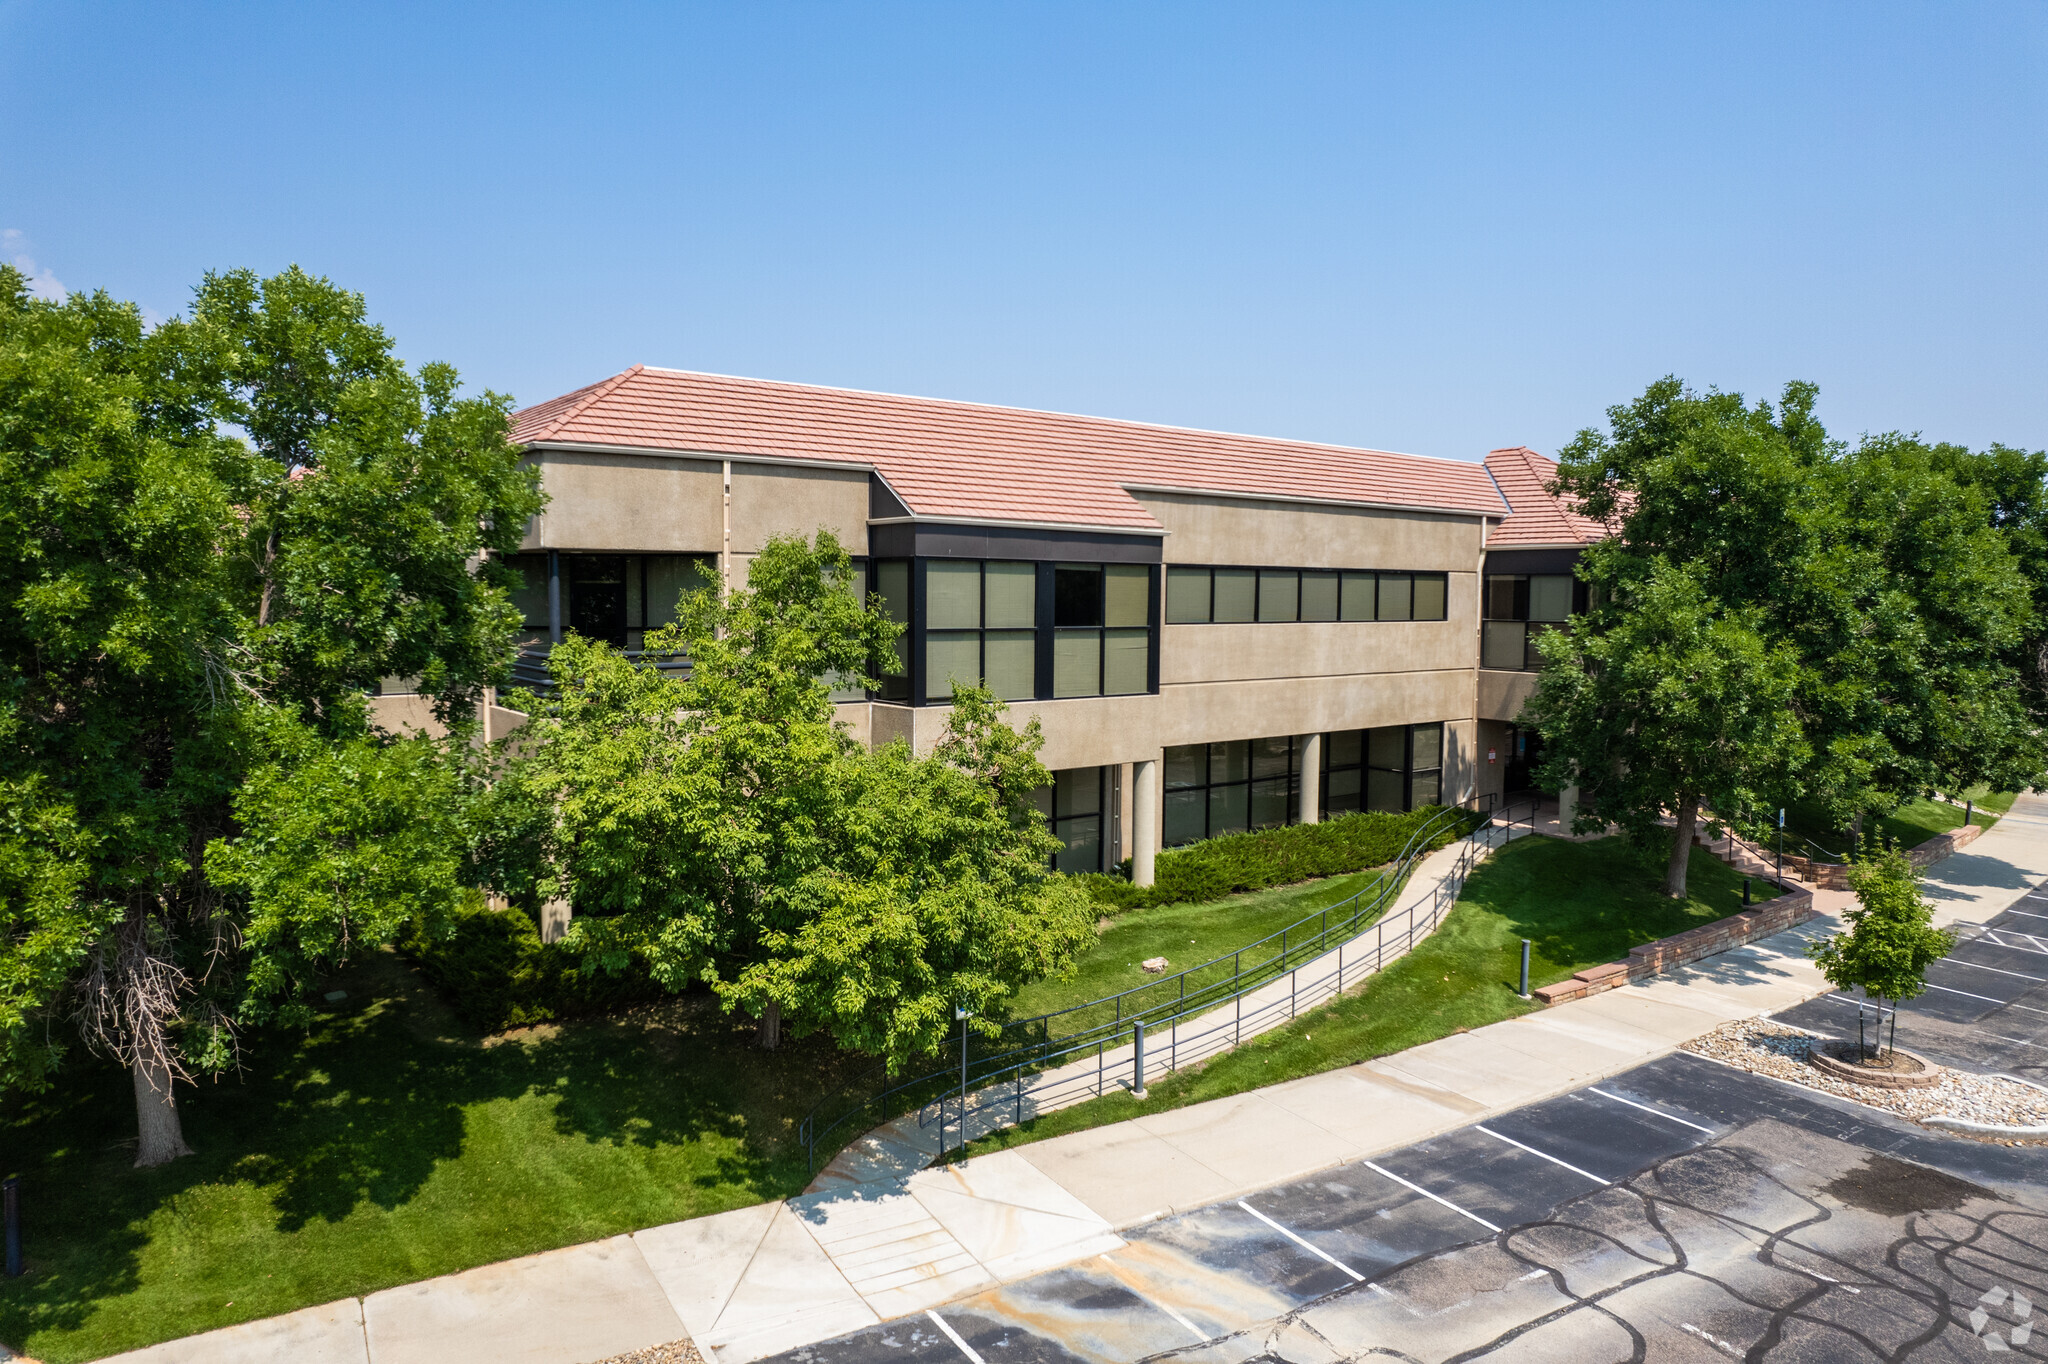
(1312, 779)
(554, 597)
(554, 920)
(1567, 808)
(1144, 831)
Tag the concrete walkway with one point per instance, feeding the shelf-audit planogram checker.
(755, 1281)
(905, 1145)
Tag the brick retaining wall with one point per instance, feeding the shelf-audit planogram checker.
(1835, 876)
(1772, 916)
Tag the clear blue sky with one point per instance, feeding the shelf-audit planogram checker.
(1422, 227)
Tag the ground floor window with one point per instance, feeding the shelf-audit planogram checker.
(1393, 767)
(1076, 808)
(1230, 787)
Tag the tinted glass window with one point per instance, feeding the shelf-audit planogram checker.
(1076, 595)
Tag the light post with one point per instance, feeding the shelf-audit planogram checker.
(960, 1013)
(1781, 844)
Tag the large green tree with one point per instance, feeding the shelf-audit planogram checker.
(219, 533)
(1895, 609)
(726, 828)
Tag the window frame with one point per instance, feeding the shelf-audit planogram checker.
(1046, 630)
(1348, 579)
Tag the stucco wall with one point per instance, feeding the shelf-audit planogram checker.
(1501, 693)
(774, 500)
(1217, 530)
(629, 503)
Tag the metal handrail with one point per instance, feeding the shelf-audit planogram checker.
(1036, 1055)
(530, 665)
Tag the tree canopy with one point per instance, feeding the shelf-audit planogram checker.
(725, 827)
(219, 534)
(1870, 616)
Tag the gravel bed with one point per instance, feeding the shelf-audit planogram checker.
(675, 1352)
(1776, 1049)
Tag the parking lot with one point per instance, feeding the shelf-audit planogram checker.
(1682, 1210)
(1986, 1006)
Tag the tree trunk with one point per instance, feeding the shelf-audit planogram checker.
(768, 1031)
(1681, 847)
(156, 1115)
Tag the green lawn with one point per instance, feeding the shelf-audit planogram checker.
(1912, 823)
(1579, 904)
(387, 1145)
(1187, 935)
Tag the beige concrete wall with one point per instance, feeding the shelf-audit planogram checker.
(629, 503)
(1219, 530)
(777, 500)
(405, 714)
(1231, 653)
(1096, 730)
(1502, 693)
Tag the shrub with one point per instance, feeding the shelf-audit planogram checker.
(498, 974)
(1217, 867)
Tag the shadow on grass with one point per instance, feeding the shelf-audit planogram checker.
(385, 1145)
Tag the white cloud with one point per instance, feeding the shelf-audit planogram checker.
(42, 283)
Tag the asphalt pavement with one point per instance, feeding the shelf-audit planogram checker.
(1681, 1210)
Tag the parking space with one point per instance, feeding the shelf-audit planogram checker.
(1986, 1006)
(1554, 1226)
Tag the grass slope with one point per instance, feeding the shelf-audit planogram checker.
(387, 1145)
(1579, 904)
(1911, 824)
(1186, 935)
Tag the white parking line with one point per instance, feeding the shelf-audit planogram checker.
(1992, 934)
(1998, 971)
(1964, 993)
(1482, 1127)
(1427, 1194)
(2024, 914)
(954, 1336)
(1356, 1277)
(1653, 1112)
(1192, 1329)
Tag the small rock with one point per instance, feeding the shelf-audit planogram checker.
(334, 995)
(1152, 966)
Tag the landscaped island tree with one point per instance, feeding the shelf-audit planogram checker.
(1779, 615)
(216, 536)
(1891, 939)
(724, 828)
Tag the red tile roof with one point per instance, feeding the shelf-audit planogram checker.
(969, 461)
(1540, 517)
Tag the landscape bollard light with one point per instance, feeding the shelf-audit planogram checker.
(1745, 892)
(10, 1191)
(1969, 812)
(1524, 991)
(1138, 1058)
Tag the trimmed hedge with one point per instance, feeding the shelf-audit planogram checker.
(1217, 867)
(498, 974)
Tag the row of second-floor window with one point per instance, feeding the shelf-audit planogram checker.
(616, 598)
(1026, 630)
(1520, 607)
(1218, 595)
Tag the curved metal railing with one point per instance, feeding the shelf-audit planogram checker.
(1025, 1056)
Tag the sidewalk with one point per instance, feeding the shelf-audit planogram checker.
(755, 1281)
(900, 1148)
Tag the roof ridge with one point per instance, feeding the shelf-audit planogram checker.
(1053, 412)
(590, 395)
